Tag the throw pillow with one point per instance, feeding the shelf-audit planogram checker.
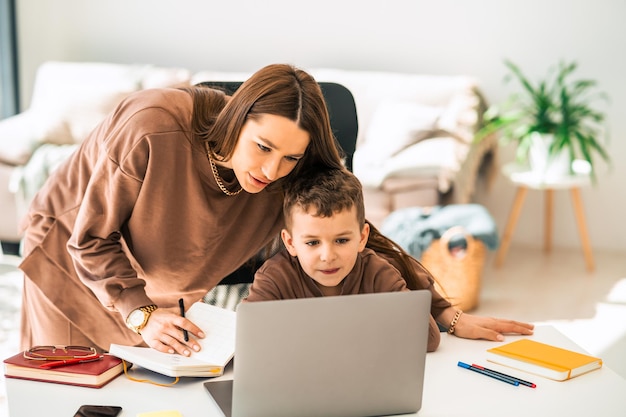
(461, 115)
(72, 97)
(21, 134)
(397, 125)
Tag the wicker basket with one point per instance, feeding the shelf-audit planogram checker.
(457, 275)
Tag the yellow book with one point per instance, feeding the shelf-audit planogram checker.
(544, 360)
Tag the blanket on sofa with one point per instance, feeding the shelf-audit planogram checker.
(414, 228)
(27, 179)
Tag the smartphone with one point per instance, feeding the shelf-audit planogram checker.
(98, 411)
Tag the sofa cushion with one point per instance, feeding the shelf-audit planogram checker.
(435, 157)
(370, 88)
(18, 139)
(462, 115)
(70, 98)
(397, 125)
(163, 77)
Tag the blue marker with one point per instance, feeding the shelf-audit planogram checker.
(502, 378)
(521, 381)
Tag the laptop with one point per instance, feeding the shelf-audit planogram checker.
(349, 356)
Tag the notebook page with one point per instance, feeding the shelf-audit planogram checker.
(218, 325)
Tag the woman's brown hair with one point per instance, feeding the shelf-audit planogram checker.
(277, 89)
(382, 245)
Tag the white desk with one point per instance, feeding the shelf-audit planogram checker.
(449, 390)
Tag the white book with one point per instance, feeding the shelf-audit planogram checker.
(218, 346)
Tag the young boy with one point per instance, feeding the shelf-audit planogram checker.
(325, 252)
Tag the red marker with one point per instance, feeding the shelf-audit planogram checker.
(521, 381)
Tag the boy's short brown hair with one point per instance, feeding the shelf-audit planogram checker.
(325, 192)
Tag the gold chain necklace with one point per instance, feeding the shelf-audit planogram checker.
(216, 175)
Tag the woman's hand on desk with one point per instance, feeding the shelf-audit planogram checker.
(164, 332)
(489, 328)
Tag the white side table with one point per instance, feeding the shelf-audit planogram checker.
(525, 180)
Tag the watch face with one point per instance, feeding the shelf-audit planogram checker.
(136, 318)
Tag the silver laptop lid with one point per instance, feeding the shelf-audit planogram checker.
(349, 356)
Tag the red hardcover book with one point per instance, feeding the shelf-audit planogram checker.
(93, 374)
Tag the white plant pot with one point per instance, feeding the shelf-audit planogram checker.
(544, 165)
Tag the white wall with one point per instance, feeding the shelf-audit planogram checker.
(437, 37)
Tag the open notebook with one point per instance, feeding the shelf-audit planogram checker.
(348, 356)
(217, 350)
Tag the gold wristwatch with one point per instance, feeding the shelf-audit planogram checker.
(138, 318)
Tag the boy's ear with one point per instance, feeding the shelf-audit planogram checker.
(365, 234)
(288, 241)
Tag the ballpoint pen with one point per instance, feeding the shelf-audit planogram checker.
(508, 380)
(181, 304)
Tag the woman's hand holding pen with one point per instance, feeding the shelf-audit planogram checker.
(164, 332)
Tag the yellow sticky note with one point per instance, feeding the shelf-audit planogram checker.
(164, 413)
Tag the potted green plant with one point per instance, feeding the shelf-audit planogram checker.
(556, 114)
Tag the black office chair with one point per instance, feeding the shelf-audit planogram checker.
(345, 126)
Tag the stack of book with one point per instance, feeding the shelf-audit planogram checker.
(93, 374)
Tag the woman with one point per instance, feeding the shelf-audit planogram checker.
(169, 194)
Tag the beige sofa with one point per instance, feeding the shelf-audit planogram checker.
(68, 100)
(414, 146)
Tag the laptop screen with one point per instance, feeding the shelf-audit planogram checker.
(353, 355)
